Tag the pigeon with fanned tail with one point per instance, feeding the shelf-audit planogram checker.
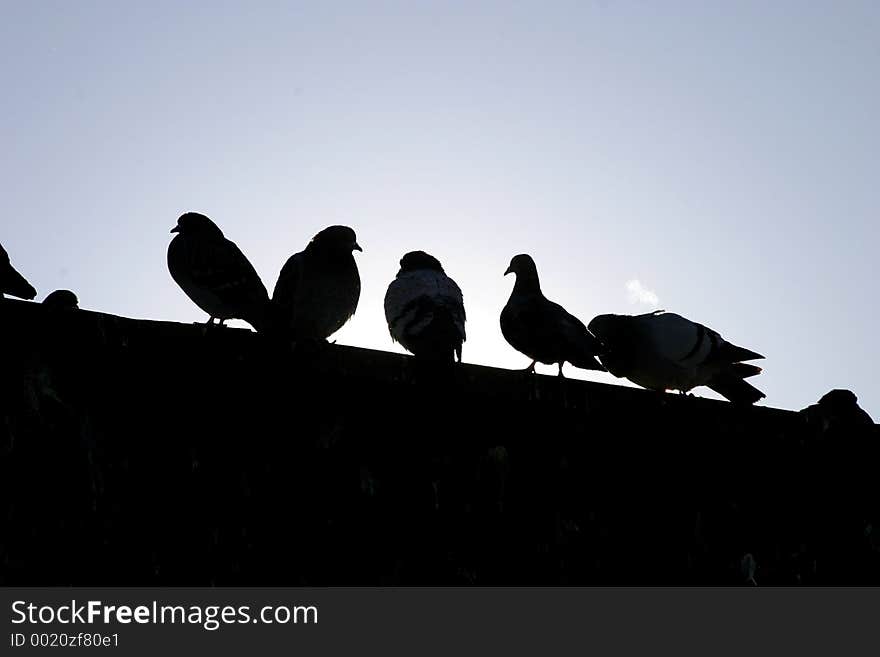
(541, 329)
(214, 273)
(665, 351)
(11, 282)
(318, 288)
(425, 310)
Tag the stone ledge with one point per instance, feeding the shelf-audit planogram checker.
(154, 453)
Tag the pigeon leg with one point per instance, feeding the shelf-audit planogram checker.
(531, 368)
(563, 387)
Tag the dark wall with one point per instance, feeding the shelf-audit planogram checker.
(151, 453)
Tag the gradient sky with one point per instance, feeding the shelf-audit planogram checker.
(722, 154)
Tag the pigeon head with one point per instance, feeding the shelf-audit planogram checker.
(62, 299)
(523, 266)
(607, 328)
(336, 239)
(839, 400)
(197, 225)
(416, 260)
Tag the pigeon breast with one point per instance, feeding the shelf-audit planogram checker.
(318, 294)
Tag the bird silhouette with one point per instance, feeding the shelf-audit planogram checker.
(665, 351)
(214, 273)
(318, 288)
(62, 300)
(11, 282)
(425, 310)
(838, 410)
(541, 329)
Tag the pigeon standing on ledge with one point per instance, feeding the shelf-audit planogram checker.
(11, 282)
(214, 272)
(838, 410)
(542, 330)
(318, 288)
(62, 300)
(425, 310)
(665, 351)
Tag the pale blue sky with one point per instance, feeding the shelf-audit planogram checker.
(725, 154)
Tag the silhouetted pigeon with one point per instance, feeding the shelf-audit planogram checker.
(318, 288)
(214, 272)
(11, 282)
(665, 351)
(425, 310)
(542, 330)
(62, 299)
(838, 410)
(844, 403)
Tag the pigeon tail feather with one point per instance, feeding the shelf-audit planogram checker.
(733, 354)
(269, 319)
(16, 285)
(744, 370)
(586, 350)
(587, 361)
(733, 388)
(588, 364)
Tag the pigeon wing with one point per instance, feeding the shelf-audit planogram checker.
(673, 338)
(221, 267)
(538, 328)
(691, 344)
(449, 297)
(582, 346)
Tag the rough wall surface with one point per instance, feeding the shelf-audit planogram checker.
(151, 453)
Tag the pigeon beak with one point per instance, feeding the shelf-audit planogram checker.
(357, 247)
(508, 271)
(176, 229)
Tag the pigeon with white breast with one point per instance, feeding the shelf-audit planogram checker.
(214, 273)
(424, 309)
(665, 351)
(318, 288)
(11, 282)
(541, 329)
